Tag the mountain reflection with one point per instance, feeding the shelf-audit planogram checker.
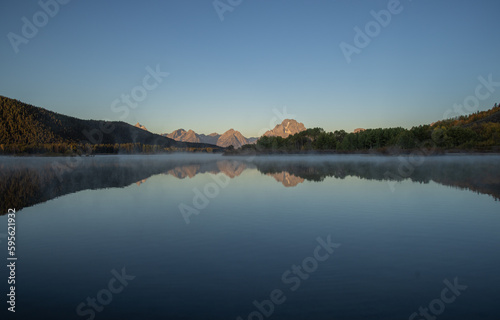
(287, 179)
(26, 182)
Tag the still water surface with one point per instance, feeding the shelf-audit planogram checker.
(212, 237)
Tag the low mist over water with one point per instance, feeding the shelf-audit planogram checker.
(28, 181)
(295, 237)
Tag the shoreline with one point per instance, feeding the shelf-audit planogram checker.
(416, 152)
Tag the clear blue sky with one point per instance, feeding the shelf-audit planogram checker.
(265, 55)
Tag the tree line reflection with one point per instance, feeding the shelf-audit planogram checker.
(26, 182)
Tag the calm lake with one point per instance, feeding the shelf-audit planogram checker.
(276, 237)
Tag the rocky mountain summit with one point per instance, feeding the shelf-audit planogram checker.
(140, 126)
(234, 138)
(287, 128)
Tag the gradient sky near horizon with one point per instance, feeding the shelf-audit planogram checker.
(265, 56)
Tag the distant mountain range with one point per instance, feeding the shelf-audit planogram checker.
(235, 138)
(27, 129)
(228, 138)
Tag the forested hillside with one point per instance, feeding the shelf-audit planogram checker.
(28, 129)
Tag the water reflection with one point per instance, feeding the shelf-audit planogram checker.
(25, 182)
(286, 178)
